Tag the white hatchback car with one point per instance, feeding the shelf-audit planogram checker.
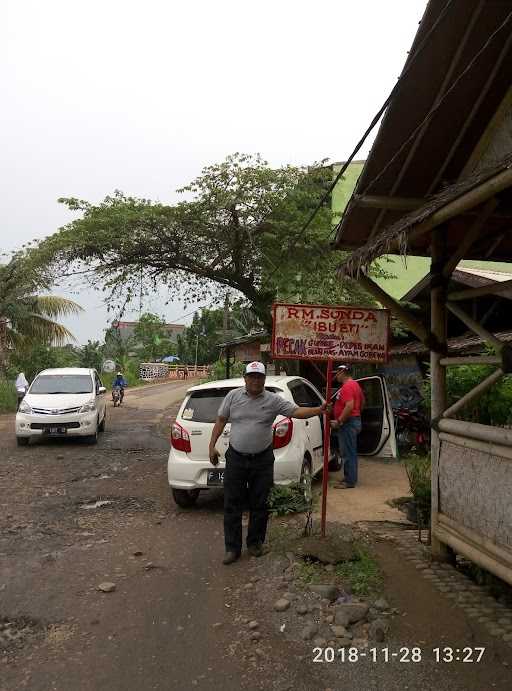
(62, 403)
(298, 444)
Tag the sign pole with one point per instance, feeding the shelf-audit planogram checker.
(327, 439)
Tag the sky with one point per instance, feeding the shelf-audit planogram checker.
(118, 94)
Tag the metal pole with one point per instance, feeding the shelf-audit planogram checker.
(197, 344)
(327, 439)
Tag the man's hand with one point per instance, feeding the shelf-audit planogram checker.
(214, 456)
(335, 424)
(326, 408)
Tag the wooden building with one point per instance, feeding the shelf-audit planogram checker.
(438, 183)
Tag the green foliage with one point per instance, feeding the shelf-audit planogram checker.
(29, 317)
(91, 355)
(418, 469)
(7, 396)
(363, 573)
(205, 332)
(239, 229)
(284, 500)
(218, 370)
(34, 358)
(494, 407)
(151, 339)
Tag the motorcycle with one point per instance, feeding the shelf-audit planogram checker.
(117, 396)
(412, 430)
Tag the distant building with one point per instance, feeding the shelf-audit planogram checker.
(127, 329)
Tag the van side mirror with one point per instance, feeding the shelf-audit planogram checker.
(102, 389)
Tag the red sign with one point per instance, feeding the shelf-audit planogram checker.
(330, 332)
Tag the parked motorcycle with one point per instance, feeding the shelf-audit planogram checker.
(412, 430)
(117, 396)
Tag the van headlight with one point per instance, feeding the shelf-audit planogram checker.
(88, 407)
(24, 408)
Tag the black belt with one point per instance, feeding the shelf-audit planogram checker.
(251, 455)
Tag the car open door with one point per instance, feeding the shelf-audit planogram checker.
(377, 437)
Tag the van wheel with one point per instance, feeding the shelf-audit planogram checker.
(101, 426)
(306, 481)
(93, 438)
(185, 497)
(22, 441)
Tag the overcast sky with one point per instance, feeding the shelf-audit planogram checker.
(136, 96)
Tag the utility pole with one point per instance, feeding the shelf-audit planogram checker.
(225, 319)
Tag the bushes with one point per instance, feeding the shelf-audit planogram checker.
(7, 396)
(218, 370)
(494, 407)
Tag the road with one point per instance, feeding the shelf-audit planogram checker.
(74, 516)
(167, 624)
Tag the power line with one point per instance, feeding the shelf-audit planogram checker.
(436, 107)
(367, 132)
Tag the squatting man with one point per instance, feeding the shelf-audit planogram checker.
(249, 471)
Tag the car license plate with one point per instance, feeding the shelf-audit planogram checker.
(215, 477)
(57, 430)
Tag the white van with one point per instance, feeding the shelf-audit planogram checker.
(66, 402)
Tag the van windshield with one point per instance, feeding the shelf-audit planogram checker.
(203, 405)
(62, 383)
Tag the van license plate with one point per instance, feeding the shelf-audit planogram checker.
(215, 477)
(57, 430)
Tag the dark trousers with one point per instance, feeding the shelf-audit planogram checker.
(247, 481)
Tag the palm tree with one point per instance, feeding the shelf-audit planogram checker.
(27, 317)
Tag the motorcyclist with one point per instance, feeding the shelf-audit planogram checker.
(120, 382)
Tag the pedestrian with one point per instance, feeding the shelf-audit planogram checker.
(21, 388)
(347, 422)
(249, 471)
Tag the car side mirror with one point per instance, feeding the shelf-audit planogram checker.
(102, 389)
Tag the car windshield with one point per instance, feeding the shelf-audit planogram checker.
(62, 383)
(203, 405)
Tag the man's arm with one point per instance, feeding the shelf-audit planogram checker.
(218, 428)
(302, 412)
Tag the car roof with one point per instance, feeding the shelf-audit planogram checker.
(277, 381)
(67, 370)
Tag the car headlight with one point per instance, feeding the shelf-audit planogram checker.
(24, 407)
(88, 407)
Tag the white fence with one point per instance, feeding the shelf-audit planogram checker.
(159, 371)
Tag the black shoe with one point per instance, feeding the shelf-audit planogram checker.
(255, 550)
(230, 557)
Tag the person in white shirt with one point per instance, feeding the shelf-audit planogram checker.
(21, 388)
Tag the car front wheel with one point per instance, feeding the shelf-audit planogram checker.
(185, 497)
(22, 441)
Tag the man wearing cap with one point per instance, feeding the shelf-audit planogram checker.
(249, 472)
(347, 421)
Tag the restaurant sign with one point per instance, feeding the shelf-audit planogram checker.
(330, 332)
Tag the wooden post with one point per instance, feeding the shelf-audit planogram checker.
(474, 393)
(413, 324)
(437, 376)
(476, 327)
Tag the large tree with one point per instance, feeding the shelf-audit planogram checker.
(237, 229)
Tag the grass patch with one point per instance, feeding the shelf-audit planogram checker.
(311, 572)
(287, 499)
(363, 573)
(7, 396)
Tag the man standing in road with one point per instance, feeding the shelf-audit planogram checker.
(249, 472)
(347, 421)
